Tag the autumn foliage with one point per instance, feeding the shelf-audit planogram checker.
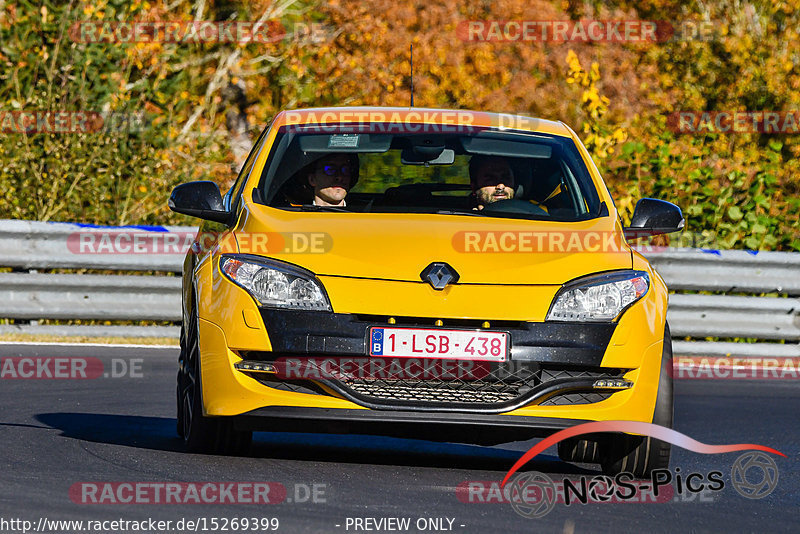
(737, 190)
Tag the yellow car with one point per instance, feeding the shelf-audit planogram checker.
(447, 275)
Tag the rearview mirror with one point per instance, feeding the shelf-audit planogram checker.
(654, 217)
(422, 156)
(199, 199)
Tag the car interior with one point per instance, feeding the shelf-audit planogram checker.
(428, 174)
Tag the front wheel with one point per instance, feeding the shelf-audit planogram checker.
(208, 435)
(579, 450)
(640, 455)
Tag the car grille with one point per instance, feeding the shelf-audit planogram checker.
(502, 384)
(422, 391)
(569, 399)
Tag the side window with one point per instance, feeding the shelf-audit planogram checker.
(231, 199)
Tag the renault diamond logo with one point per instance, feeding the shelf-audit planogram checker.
(439, 275)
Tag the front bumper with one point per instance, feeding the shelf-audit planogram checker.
(232, 328)
(228, 391)
(548, 364)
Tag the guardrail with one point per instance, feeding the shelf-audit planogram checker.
(43, 245)
(29, 245)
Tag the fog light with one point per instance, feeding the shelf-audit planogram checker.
(612, 383)
(260, 367)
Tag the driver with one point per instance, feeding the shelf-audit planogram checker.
(491, 179)
(332, 177)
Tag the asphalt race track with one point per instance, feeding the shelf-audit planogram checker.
(59, 433)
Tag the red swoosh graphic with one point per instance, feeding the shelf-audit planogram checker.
(634, 427)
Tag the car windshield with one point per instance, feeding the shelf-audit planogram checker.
(483, 172)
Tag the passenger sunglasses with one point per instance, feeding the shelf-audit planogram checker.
(332, 170)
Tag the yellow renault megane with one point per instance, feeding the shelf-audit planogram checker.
(447, 275)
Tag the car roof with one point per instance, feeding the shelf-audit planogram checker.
(404, 115)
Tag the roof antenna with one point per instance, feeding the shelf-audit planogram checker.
(412, 75)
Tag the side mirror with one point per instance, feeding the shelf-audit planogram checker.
(654, 217)
(199, 199)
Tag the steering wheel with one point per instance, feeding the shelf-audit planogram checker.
(513, 205)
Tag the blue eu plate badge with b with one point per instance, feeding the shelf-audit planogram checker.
(376, 340)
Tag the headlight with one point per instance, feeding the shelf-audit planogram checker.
(599, 298)
(276, 284)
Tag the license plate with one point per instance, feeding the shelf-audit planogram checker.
(445, 344)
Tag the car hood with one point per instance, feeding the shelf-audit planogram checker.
(482, 250)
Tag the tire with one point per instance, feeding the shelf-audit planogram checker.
(640, 455)
(585, 451)
(201, 434)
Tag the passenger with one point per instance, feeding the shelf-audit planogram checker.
(332, 177)
(491, 179)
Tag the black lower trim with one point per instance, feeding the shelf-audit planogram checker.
(493, 388)
(541, 392)
(324, 333)
(447, 427)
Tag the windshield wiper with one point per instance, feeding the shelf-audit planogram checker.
(312, 207)
(475, 213)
